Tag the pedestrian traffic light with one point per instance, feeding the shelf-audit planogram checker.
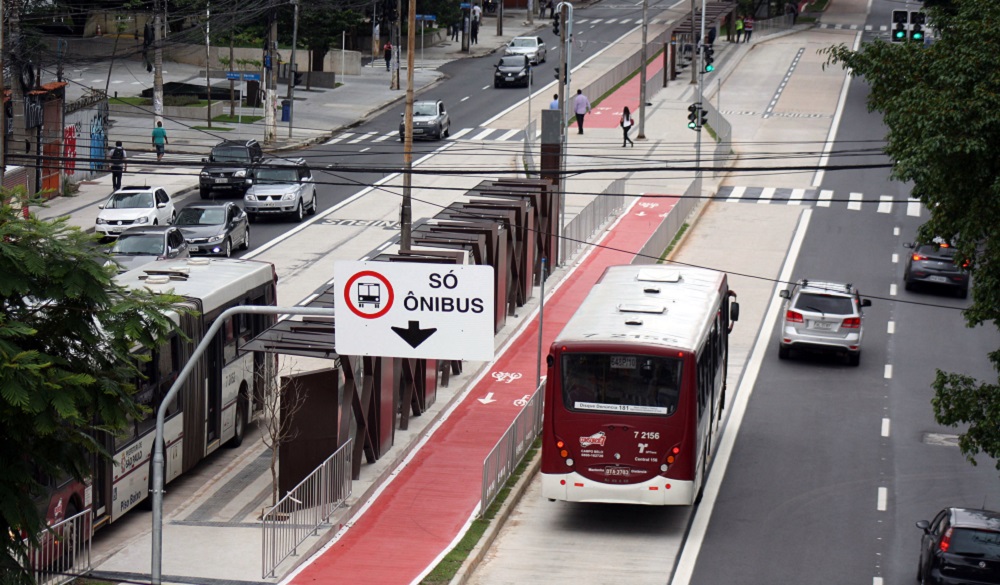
(297, 79)
(709, 58)
(917, 20)
(899, 20)
(555, 24)
(702, 117)
(693, 115)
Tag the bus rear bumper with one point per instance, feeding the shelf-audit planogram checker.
(660, 491)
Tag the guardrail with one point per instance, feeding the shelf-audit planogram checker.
(592, 218)
(64, 551)
(305, 508)
(772, 25)
(512, 447)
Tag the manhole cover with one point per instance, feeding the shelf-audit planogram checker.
(941, 439)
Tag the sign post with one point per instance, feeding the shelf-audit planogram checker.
(414, 310)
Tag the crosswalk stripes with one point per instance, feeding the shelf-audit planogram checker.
(854, 201)
(386, 136)
(475, 133)
(167, 158)
(461, 133)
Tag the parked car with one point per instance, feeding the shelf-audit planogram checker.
(141, 245)
(512, 70)
(227, 167)
(531, 47)
(281, 187)
(130, 206)
(430, 120)
(960, 546)
(214, 228)
(935, 263)
(822, 316)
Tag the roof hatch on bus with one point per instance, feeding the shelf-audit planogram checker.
(649, 309)
(658, 275)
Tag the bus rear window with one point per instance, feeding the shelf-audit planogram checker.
(630, 384)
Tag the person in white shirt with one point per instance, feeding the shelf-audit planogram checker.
(626, 123)
(581, 107)
(477, 12)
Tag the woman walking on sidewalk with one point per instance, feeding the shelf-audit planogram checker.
(748, 29)
(387, 53)
(626, 122)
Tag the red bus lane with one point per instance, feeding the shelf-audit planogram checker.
(422, 512)
(607, 113)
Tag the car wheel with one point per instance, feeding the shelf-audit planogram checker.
(447, 132)
(299, 213)
(246, 240)
(783, 352)
(312, 206)
(173, 217)
(854, 359)
(496, 84)
(227, 248)
(908, 284)
(205, 193)
(963, 292)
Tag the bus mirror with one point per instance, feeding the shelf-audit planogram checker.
(734, 312)
(550, 361)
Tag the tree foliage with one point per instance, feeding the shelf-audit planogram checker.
(941, 104)
(66, 335)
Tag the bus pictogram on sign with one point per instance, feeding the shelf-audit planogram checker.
(369, 295)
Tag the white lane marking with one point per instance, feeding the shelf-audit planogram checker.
(895, 231)
(483, 134)
(855, 201)
(832, 136)
(884, 204)
(796, 196)
(913, 207)
(337, 139)
(883, 495)
(361, 137)
(508, 135)
(895, 258)
(461, 133)
(463, 99)
(365, 148)
(486, 87)
(885, 427)
(824, 198)
(876, 580)
(887, 374)
(384, 246)
(736, 194)
(765, 196)
(891, 327)
(892, 290)
(703, 513)
(386, 136)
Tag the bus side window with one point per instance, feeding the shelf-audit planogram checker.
(246, 332)
(229, 343)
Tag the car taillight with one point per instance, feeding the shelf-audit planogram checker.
(965, 264)
(793, 317)
(945, 541)
(852, 323)
(918, 257)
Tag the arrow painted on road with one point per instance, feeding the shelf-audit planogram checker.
(488, 399)
(641, 214)
(413, 334)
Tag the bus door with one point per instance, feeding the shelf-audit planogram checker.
(213, 397)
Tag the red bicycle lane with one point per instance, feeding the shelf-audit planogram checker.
(427, 506)
(607, 113)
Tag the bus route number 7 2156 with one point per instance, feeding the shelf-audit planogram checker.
(647, 435)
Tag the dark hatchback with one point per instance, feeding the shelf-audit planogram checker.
(512, 70)
(141, 245)
(960, 546)
(935, 264)
(214, 228)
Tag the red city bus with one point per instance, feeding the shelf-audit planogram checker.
(636, 387)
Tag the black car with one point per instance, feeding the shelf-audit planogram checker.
(141, 245)
(960, 546)
(226, 169)
(512, 70)
(214, 228)
(935, 263)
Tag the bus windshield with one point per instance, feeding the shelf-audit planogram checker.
(629, 384)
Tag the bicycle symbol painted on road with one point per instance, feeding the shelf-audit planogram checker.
(506, 377)
(523, 401)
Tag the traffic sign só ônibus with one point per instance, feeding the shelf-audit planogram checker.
(414, 310)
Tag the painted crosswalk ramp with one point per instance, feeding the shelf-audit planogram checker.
(825, 198)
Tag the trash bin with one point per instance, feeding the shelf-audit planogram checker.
(286, 110)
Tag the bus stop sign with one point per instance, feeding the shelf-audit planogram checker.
(414, 310)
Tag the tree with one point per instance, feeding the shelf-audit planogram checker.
(320, 28)
(66, 336)
(941, 104)
(280, 401)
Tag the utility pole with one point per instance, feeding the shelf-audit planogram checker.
(701, 92)
(22, 134)
(157, 63)
(406, 212)
(500, 17)
(394, 76)
(291, 66)
(531, 12)
(642, 73)
(565, 64)
(270, 96)
(3, 112)
(694, 46)
(208, 63)
(232, 83)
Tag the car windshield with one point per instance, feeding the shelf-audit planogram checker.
(277, 176)
(512, 62)
(201, 216)
(138, 245)
(630, 384)
(975, 543)
(821, 303)
(524, 43)
(425, 109)
(131, 201)
(236, 154)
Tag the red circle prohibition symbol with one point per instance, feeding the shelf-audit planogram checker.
(356, 310)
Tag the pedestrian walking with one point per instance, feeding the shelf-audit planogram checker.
(581, 107)
(552, 8)
(387, 53)
(454, 30)
(477, 13)
(554, 104)
(626, 122)
(118, 165)
(474, 35)
(739, 28)
(747, 29)
(160, 141)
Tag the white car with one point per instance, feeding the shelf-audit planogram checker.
(132, 206)
(531, 47)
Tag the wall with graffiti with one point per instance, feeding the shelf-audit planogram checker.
(85, 139)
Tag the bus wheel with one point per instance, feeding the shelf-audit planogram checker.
(240, 426)
(704, 478)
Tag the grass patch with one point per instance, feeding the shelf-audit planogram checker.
(805, 20)
(445, 571)
(212, 128)
(817, 6)
(673, 243)
(711, 132)
(244, 119)
(131, 101)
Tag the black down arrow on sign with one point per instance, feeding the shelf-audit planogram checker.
(413, 334)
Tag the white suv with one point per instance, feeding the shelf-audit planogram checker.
(281, 187)
(131, 206)
(822, 316)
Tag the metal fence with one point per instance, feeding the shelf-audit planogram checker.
(305, 508)
(658, 242)
(64, 551)
(592, 218)
(530, 166)
(510, 450)
(773, 25)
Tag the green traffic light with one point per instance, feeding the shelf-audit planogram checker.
(709, 68)
(900, 34)
(692, 125)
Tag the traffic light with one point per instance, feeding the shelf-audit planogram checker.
(565, 68)
(693, 116)
(297, 79)
(702, 118)
(555, 24)
(917, 20)
(899, 20)
(709, 58)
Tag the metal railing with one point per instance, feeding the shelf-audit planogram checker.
(592, 218)
(511, 449)
(530, 167)
(772, 25)
(64, 551)
(305, 508)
